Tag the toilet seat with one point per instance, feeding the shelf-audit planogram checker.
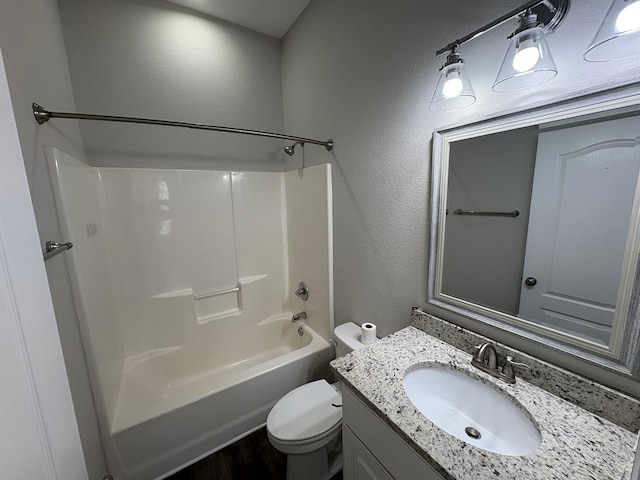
(306, 414)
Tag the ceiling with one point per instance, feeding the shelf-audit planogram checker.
(271, 17)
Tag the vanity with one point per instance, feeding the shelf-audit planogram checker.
(385, 436)
(534, 232)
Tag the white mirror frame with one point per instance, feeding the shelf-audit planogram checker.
(622, 355)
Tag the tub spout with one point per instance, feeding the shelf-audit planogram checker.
(299, 316)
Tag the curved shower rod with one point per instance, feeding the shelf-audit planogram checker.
(43, 115)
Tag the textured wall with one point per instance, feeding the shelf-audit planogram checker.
(154, 59)
(36, 65)
(363, 72)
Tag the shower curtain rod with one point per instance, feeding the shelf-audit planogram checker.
(43, 115)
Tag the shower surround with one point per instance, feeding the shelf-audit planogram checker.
(184, 285)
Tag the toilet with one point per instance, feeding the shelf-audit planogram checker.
(306, 423)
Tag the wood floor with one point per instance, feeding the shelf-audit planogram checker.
(252, 458)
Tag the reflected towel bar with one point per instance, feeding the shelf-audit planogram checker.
(51, 249)
(512, 213)
(43, 115)
(215, 294)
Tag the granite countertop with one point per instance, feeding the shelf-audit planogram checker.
(576, 444)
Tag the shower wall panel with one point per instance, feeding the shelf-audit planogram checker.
(77, 199)
(258, 207)
(310, 242)
(209, 238)
(180, 239)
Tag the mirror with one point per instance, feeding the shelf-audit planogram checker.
(536, 226)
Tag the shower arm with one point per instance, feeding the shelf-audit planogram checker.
(42, 115)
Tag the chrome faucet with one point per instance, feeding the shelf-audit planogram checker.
(299, 316)
(486, 356)
(486, 359)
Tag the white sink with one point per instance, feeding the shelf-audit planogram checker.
(466, 408)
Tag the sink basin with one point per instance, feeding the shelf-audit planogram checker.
(471, 411)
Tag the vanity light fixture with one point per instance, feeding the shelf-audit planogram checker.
(454, 90)
(527, 62)
(618, 35)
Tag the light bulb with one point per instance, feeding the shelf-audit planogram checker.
(628, 18)
(453, 86)
(527, 56)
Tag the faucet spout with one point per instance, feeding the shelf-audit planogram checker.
(487, 355)
(486, 359)
(299, 316)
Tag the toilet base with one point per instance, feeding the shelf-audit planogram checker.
(320, 464)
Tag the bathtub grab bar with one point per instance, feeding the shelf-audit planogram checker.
(512, 213)
(215, 294)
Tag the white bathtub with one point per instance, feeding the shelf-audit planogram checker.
(180, 278)
(177, 405)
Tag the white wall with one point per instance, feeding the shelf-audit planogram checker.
(363, 73)
(158, 60)
(37, 71)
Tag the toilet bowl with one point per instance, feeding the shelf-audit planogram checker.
(306, 424)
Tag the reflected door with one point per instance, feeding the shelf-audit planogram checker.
(583, 192)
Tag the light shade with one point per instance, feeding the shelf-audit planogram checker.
(619, 34)
(528, 62)
(454, 90)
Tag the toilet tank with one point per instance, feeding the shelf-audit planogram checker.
(347, 338)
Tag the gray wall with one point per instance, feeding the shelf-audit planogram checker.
(491, 173)
(36, 65)
(363, 72)
(153, 59)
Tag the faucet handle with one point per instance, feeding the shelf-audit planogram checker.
(507, 370)
(302, 291)
(519, 364)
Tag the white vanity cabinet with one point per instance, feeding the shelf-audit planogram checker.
(372, 451)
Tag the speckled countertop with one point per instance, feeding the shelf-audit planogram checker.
(576, 444)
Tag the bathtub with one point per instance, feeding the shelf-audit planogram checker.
(181, 280)
(174, 407)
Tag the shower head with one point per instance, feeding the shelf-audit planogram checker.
(291, 149)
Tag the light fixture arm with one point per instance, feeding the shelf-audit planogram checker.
(558, 12)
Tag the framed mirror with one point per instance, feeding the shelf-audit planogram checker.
(536, 226)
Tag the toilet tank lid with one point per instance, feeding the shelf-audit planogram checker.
(306, 412)
(348, 336)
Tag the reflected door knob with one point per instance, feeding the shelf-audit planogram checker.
(530, 281)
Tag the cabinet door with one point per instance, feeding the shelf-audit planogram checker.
(380, 446)
(359, 463)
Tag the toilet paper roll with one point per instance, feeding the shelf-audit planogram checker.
(368, 333)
